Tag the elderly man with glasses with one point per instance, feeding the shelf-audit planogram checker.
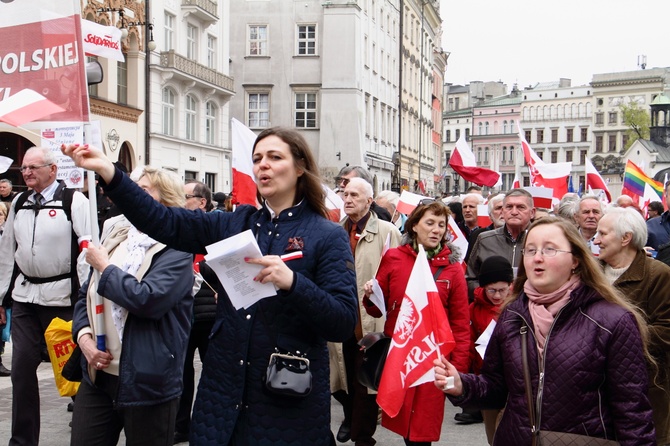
(349, 172)
(40, 238)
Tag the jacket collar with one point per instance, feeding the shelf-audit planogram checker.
(636, 270)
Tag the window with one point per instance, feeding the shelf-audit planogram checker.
(554, 156)
(527, 135)
(554, 135)
(210, 123)
(486, 128)
(467, 134)
(458, 134)
(585, 134)
(169, 32)
(168, 111)
(599, 143)
(190, 175)
(191, 42)
(540, 154)
(122, 81)
(306, 40)
(458, 103)
(570, 135)
(504, 154)
(612, 118)
(511, 126)
(624, 142)
(211, 52)
(190, 118)
(612, 143)
(568, 156)
(210, 180)
(505, 126)
(92, 89)
(259, 110)
(305, 110)
(447, 136)
(258, 40)
(486, 155)
(511, 154)
(540, 135)
(600, 118)
(479, 155)
(479, 129)
(582, 157)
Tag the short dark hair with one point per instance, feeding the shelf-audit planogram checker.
(360, 172)
(202, 190)
(437, 207)
(656, 206)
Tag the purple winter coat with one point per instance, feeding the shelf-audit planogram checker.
(595, 376)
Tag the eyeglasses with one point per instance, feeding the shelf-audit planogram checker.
(31, 168)
(344, 181)
(545, 252)
(193, 196)
(493, 291)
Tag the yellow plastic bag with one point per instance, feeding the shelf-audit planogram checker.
(60, 346)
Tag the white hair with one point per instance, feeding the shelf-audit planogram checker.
(477, 197)
(358, 181)
(628, 220)
(493, 200)
(390, 196)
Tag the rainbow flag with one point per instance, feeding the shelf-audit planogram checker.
(634, 180)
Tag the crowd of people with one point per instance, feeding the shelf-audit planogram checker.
(575, 303)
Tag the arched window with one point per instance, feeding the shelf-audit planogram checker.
(210, 123)
(479, 129)
(486, 128)
(505, 126)
(168, 111)
(486, 156)
(190, 118)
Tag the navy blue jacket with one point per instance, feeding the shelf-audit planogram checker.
(658, 230)
(231, 405)
(156, 332)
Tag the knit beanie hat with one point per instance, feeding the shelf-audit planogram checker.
(495, 269)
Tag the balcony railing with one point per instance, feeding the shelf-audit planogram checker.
(205, 10)
(170, 59)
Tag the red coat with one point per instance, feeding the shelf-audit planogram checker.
(482, 312)
(420, 418)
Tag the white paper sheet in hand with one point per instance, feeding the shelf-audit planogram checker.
(226, 258)
(377, 296)
(483, 341)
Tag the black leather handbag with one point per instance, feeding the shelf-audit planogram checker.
(288, 375)
(375, 347)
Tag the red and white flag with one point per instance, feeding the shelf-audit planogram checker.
(101, 40)
(649, 195)
(457, 238)
(26, 106)
(483, 218)
(421, 334)
(408, 202)
(516, 183)
(463, 161)
(541, 196)
(594, 180)
(334, 203)
(244, 182)
(554, 175)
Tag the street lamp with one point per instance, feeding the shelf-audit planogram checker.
(456, 187)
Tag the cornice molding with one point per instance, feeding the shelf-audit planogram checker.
(115, 111)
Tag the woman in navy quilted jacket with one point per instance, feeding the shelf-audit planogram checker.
(316, 293)
(586, 349)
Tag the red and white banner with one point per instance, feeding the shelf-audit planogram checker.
(649, 195)
(541, 196)
(244, 182)
(457, 238)
(594, 180)
(516, 183)
(101, 40)
(334, 204)
(42, 51)
(464, 163)
(421, 334)
(26, 106)
(554, 175)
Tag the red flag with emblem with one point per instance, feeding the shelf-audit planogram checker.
(421, 334)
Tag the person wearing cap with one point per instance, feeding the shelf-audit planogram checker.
(495, 280)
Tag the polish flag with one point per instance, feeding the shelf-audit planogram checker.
(334, 203)
(244, 182)
(516, 183)
(26, 106)
(457, 238)
(649, 195)
(554, 175)
(463, 162)
(541, 196)
(421, 334)
(101, 40)
(408, 202)
(483, 219)
(594, 180)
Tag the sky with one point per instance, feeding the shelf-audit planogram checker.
(531, 41)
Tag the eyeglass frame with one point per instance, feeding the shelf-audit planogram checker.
(339, 180)
(493, 291)
(544, 252)
(193, 196)
(22, 169)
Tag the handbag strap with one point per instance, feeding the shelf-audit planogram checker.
(526, 379)
(438, 272)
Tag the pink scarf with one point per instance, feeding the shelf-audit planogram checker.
(544, 307)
